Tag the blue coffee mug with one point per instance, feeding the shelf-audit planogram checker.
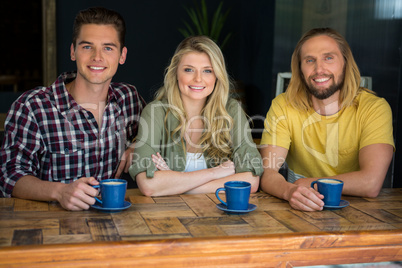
(237, 194)
(113, 192)
(331, 189)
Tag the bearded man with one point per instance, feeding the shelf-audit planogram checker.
(325, 126)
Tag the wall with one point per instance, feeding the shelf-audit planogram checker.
(152, 36)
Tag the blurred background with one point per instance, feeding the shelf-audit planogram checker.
(36, 38)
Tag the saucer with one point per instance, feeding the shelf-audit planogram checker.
(250, 208)
(112, 210)
(342, 204)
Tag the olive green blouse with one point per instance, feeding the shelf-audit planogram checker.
(153, 136)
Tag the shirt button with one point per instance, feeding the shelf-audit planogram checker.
(66, 150)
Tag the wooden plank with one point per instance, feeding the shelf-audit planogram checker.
(271, 204)
(387, 194)
(230, 220)
(356, 216)
(6, 236)
(73, 226)
(324, 220)
(261, 251)
(130, 224)
(206, 230)
(294, 258)
(361, 227)
(384, 215)
(27, 237)
(202, 205)
(55, 206)
(103, 230)
(6, 204)
(261, 219)
(42, 215)
(168, 199)
(246, 230)
(66, 239)
(29, 224)
(377, 205)
(167, 225)
(29, 205)
(163, 210)
(396, 212)
(155, 237)
(134, 199)
(134, 192)
(397, 225)
(50, 232)
(292, 221)
(334, 220)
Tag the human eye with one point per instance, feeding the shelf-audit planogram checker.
(86, 47)
(208, 71)
(108, 48)
(329, 58)
(188, 70)
(309, 60)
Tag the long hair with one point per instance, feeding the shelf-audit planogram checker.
(214, 141)
(297, 94)
(100, 16)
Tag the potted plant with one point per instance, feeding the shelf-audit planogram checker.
(201, 24)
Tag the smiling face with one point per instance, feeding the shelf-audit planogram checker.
(97, 53)
(322, 66)
(196, 77)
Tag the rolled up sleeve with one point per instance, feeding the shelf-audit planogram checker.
(245, 153)
(148, 140)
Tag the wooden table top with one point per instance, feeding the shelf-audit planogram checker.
(156, 220)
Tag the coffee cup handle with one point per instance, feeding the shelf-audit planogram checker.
(312, 184)
(217, 195)
(97, 199)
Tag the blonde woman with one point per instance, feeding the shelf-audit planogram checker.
(194, 137)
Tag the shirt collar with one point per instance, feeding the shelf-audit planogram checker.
(63, 99)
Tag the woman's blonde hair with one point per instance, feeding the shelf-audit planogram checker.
(297, 94)
(215, 142)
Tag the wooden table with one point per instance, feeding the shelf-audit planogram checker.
(189, 231)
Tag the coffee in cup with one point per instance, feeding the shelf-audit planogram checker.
(113, 192)
(237, 194)
(331, 189)
(113, 183)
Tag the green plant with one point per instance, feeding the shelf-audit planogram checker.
(203, 26)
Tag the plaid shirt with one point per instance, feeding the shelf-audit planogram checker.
(48, 135)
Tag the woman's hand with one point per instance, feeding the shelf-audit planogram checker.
(159, 162)
(225, 169)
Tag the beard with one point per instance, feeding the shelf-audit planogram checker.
(326, 93)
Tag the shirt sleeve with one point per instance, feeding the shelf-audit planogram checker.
(136, 104)
(376, 123)
(245, 154)
(148, 140)
(21, 145)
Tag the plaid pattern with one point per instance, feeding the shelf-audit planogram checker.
(48, 135)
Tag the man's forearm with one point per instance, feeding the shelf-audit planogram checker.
(31, 187)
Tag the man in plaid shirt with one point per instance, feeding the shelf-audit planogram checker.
(60, 140)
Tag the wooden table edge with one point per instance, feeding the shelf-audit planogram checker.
(273, 250)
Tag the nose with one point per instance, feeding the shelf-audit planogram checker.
(319, 66)
(97, 54)
(197, 76)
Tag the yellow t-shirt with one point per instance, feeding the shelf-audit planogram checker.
(322, 146)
